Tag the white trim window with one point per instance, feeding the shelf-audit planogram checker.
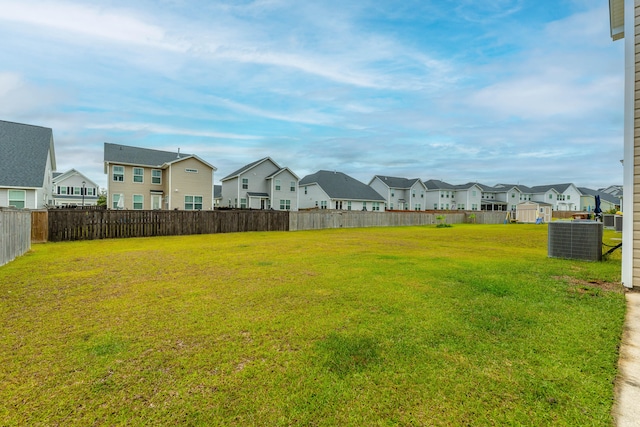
(245, 183)
(192, 203)
(138, 202)
(292, 186)
(277, 185)
(138, 175)
(156, 176)
(118, 173)
(115, 198)
(18, 198)
(285, 205)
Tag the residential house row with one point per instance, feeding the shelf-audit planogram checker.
(148, 179)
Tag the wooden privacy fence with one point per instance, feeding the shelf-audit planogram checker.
(77, 224)
(67, 225)
(15, 234)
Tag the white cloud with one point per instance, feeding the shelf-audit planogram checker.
(155, 128)
(108, 24)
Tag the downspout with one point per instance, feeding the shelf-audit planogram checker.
(629, 162)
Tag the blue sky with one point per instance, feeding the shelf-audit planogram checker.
(493, 91)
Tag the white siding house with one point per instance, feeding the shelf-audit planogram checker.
(27, 162)
(72, 188)
(400, 193)
(338, 191)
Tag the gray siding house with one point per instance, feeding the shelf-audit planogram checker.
(27, 162)
(262, 184)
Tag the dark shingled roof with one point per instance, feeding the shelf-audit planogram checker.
(116, 153)
(24, 150)
(395, 182)
(436, 184)
(604, 196)
(338, 185)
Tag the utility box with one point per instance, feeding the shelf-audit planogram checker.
(608, 220)
(618, 223)
(576, 240)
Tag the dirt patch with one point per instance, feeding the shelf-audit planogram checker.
(592, 287)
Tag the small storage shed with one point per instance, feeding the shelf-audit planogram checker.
(530, 211)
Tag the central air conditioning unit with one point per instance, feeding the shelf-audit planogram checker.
(576, 240)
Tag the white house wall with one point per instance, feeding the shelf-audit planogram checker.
(285, 193)
(312, 197)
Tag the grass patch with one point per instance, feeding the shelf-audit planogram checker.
(474, 325)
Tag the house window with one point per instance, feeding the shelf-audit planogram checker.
(77, 191)
(550, 196)
(422, 194)
(413, 193)
(62, 190)
(118, 173)
(364, 206)
(277, 184)
(393, 194)
(17, 198)
(568, 196)
(375, 206)
(285, 205)
(435, 206)
(138, 200)
(156, 176)
(305, 190)
(292, 186)
(417, 207)
(243, 203)
(245, 183)
(348, 205)
(391, 206)
(473, 193)
(323, 204)
(138, 175)
(192, 203)
(114, 201)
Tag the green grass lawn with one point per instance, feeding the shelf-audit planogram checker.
(469, 325)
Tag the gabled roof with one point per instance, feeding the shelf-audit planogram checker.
(245, 168)
(279, 171)
(124, 154)
(396, 182)
(61, 176)
(559, 188)
(604, 196)
(520, 187)
(338, 185)
(436, 184)
(127, 155)
(467, 186)
(24, 151)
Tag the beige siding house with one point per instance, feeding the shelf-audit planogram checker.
(624, 20)
(144, 179)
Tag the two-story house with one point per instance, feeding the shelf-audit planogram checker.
(400, 193)
(336, 190)
(262, 184)
(142, 178)
(72, 188)
(563, 197)
(468, 196)
(440, 195)
(27, 162)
